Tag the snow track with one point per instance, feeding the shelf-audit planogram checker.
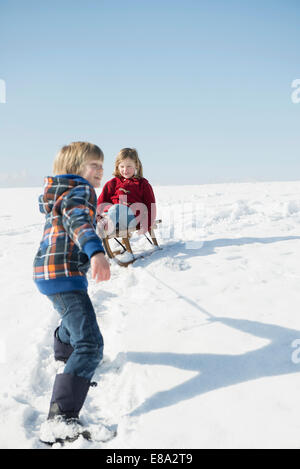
(200, 338)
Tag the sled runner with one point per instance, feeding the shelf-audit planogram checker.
(121, 240)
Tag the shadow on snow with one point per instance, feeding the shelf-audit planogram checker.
(218, 371)
(215, 370)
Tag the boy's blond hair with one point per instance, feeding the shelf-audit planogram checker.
(71, 158)
(133, 155)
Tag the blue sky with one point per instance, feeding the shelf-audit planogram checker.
(202, 89)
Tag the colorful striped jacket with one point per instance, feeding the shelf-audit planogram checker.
(69, 239)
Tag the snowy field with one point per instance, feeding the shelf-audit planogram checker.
(202, 339)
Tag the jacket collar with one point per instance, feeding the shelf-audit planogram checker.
(74, 177)
(133, 179)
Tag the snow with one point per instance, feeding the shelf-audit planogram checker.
(201, 338)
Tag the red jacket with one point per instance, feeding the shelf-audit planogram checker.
(128, 192)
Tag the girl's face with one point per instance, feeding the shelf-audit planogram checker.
(127, 168)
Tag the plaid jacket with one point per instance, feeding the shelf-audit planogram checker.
(69, 239)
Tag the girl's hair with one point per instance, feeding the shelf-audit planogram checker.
(133, 155)
(71, 158)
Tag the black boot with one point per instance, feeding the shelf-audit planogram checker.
(69, 394)
(62, 351)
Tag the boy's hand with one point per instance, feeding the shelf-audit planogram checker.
(100, 267)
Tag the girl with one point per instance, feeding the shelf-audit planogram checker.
(127, 200)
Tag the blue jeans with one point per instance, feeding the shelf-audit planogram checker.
(79, 328)
(121, 216)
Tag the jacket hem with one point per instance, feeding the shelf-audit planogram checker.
(63, 284)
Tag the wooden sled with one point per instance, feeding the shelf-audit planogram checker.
(123, 240)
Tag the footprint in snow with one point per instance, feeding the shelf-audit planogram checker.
(176, 264)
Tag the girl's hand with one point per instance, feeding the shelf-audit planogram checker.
(104, 225)
(100, 267)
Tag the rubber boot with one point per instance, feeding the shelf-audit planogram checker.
(63, 424)
(68, 396)
(62, 351)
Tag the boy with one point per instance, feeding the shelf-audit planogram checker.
(68, 247)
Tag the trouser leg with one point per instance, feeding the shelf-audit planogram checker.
(80, 323)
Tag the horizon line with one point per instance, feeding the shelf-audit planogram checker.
(250, 181)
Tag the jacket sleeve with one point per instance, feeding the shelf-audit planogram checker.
(104, 199)
(42, 204)
(149, 201)
(78, 210)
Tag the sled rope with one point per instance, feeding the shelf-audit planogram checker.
(124, 249)
(179, 295)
